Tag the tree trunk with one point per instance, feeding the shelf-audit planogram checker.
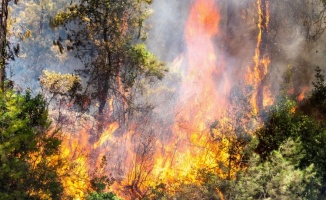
(103, 83)
(3, 34)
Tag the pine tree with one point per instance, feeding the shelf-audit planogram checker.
(28, 149)
(278, 177)
(107, 36)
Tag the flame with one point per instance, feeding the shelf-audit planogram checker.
(204, 93)
(256, 75)
(203, 19)
(303, 93)
(200, 91)
(204, 90)
(268, 98)
(75, 172)
(267, 13)
(149, 160)
(190, 147)
(140, 158)
(111, 128)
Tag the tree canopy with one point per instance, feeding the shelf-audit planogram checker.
(113, 105)
(27, 144)
(106, 35)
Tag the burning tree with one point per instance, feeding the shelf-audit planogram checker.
(142, 163)
(147, 158)
(235, 129)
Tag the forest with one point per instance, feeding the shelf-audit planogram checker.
(166, 100)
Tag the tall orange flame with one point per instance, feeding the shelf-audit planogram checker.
(257, 74)
(202, 100)
(146, 159)
(200, 89)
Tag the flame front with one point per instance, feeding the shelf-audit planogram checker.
(141, 159)
(202, 100)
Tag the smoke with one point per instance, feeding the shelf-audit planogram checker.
(37, 53)
(292, 42)
(288, 44)
(166, 28)
(294, 39)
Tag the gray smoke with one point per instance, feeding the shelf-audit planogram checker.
(295, 38)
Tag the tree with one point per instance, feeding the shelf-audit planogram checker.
(28, 27)
(3, 40)
(279, 177)
(5, 50)
(102, 196)
(319, 92)
(28, 149)
(315, 104)
(107, 36)
(280, 125)
(100, 184)
(236, 128)
(286, 122)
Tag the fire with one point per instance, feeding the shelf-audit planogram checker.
(303, 93)
(105, 136)
(268, 98)
(203, 19)
(140, 158)
(147, 159)
(200, 30)
(150, 160)
(257, 74)
(75, 172)
(204, 94)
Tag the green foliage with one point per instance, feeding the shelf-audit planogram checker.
(235, 129)
(278, 177)
(215, 186)
(62, 84)
(100, 183)
(284, 123)
(157, 192)
(315, 104)
(148, 63)
(285, 160)
(281, 124)
(102, 196)
(194, 191)
(108, 42)
(26, 146)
